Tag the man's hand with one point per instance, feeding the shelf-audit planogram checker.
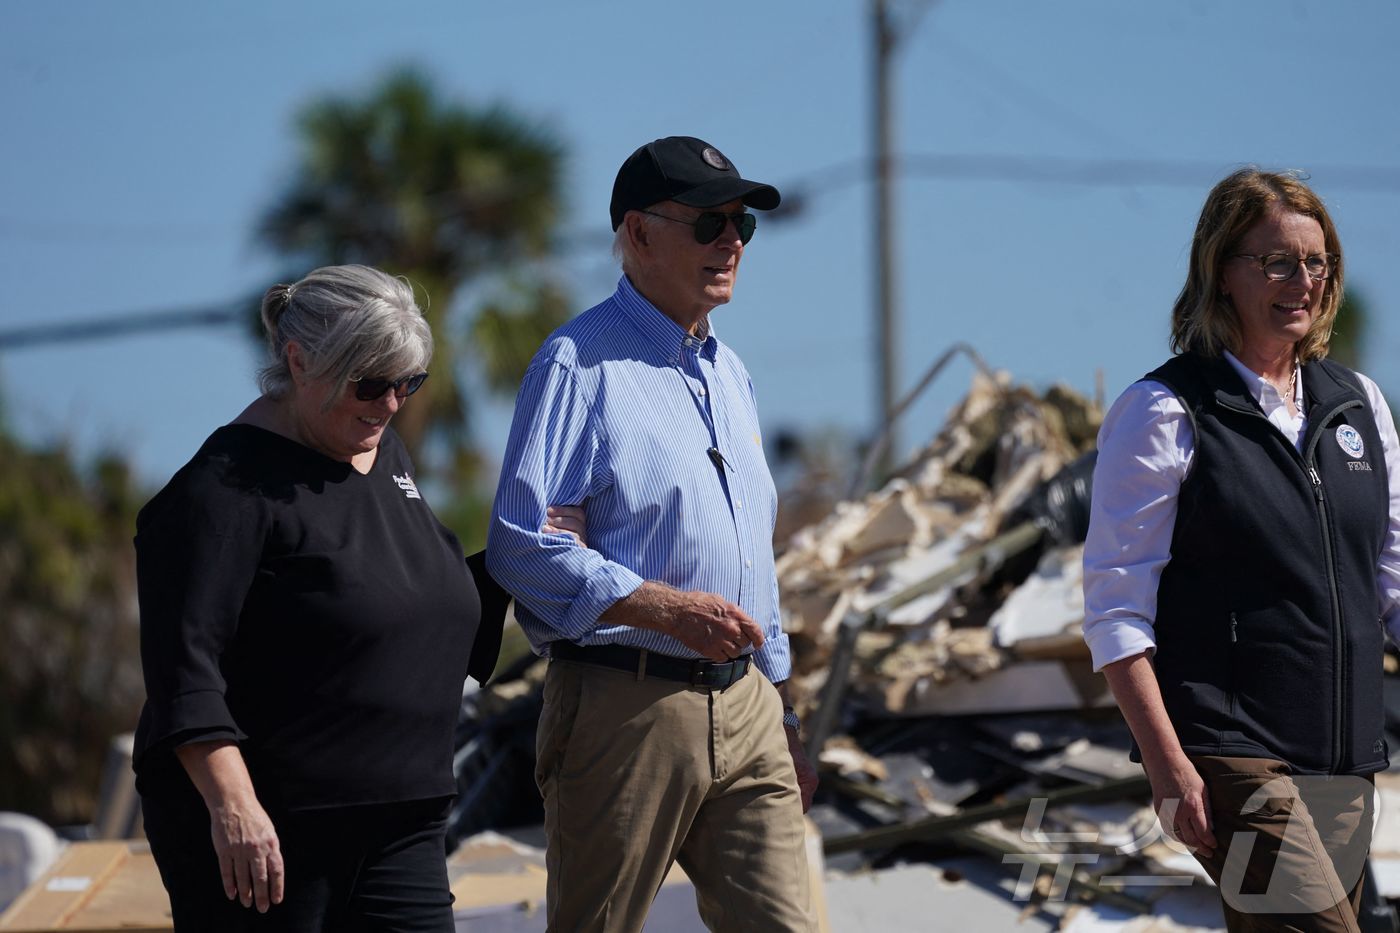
(566, 520)
(714, 626)
(703, 622)
(806, 774)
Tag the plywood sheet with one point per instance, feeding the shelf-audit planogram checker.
(94, 887)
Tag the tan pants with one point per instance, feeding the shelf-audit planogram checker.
(1298, 860)
(637, 774)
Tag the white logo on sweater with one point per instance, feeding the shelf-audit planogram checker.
(410, 489)
(1349, 439)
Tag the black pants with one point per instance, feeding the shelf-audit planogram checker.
(380, 867)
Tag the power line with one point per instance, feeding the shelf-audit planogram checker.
(122, 324)
(1048, 108)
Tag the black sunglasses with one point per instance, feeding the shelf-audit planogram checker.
(709, 225)
(369, 388)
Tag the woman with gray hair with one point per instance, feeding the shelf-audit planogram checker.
(306, 626)
(1243, 551)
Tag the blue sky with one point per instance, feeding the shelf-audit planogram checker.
(142, 139)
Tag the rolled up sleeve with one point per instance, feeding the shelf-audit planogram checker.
(1145, 446)
(550, 459)
(774, 659)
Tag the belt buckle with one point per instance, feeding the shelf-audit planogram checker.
(719, 674)
(699, 673)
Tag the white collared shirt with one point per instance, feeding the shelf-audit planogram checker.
(1145, 449)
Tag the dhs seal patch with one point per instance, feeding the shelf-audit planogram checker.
(1349, 439)
(714, 159)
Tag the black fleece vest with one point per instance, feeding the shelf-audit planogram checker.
(1269, 640)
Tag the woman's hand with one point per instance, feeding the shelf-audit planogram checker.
(245, 841)
(1178, 792)
(1182, 804)
(250, 855)
(567, 520)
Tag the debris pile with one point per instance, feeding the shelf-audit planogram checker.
(961, 575)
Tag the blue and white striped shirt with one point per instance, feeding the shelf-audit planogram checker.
(616, 413)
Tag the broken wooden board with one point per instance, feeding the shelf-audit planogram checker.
(94, 887)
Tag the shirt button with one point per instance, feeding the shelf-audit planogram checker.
(748, 563)
(700, 391)
(738, 504)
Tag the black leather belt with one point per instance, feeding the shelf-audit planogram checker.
(645, 663)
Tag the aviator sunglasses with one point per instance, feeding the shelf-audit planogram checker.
(709, 225)
(369, 388)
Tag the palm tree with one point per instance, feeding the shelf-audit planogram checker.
(447, 195)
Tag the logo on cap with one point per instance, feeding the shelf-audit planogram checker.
(714, 159)
(1349, 439)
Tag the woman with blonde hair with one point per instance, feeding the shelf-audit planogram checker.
(1244, 546)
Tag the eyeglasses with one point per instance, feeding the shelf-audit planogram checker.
(1280, 267)
(369, 388)
(709, 225)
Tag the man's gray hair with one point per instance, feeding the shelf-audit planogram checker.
(350, 321)
(622, 246)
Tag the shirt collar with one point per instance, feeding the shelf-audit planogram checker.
(1262, 389)
(658, 331)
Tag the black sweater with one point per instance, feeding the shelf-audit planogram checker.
(319, 617)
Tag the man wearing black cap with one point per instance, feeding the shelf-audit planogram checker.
(658, 741)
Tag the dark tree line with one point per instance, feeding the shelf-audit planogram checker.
(69, 676)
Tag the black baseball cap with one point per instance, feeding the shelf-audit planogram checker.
(688, 171)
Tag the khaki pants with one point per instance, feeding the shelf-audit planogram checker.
(637, 774)
(1298, 860)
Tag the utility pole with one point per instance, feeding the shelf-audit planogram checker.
(886, 364)
(886, 34)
